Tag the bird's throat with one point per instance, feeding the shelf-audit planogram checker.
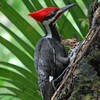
(51, 31)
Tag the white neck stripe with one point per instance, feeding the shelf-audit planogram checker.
(46, 24)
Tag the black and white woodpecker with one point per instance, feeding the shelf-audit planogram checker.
(50, 57)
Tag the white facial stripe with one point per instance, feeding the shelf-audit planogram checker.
(46, 24)
(53, 18)
(50, 20)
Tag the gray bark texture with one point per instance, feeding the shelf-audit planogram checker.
(82, 78)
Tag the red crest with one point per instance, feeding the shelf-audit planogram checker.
(41, 14)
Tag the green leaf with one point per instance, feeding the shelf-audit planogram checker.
(23, 84)
(28, 5)
(23, 71)
(13, 90)
(18, 84)
(26, 60)
(37, 4)
(19, 22)
(27, 47)
(77, 15)
(87, 3)
(21, 94)
(7, 94)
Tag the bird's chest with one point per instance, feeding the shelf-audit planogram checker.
(58, 47)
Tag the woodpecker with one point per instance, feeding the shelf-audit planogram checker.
(50, 57)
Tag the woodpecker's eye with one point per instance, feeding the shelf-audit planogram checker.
(52, 14)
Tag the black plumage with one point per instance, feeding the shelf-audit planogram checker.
(50, 60)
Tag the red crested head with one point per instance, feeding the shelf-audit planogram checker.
(41, 14)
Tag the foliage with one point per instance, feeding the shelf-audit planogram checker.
(24, 80)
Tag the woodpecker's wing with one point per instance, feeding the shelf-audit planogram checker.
(43, 55)
(44, 64)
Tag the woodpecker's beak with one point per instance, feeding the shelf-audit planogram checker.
(63, 9)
